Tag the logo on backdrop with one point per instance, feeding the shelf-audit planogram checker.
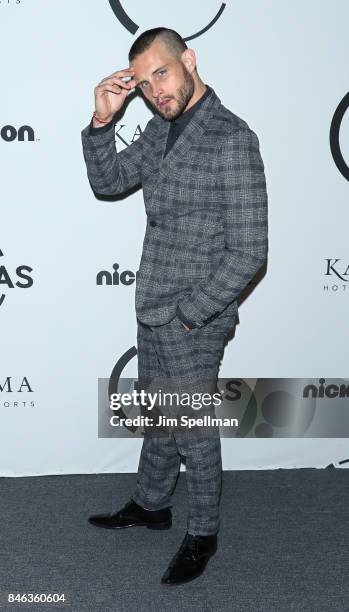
(120, 137)
(25, 133)
(339, 273)
(7, 278)
(21, 385)
(104, 277)
(9, 384)
(335, 133)
(132, 27)
(324, 391)
(9, 2)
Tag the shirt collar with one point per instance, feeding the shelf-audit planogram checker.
(186, 115)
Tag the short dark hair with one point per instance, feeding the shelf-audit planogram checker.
(173, 41)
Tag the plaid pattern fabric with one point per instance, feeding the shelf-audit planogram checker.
(170, 354)
(206, 206)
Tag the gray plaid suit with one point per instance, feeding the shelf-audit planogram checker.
(205, 238)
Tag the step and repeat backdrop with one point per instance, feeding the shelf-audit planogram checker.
(68, 259)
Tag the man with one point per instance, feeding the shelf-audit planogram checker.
(206, 237)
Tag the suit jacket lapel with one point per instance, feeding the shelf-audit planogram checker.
(191, 134)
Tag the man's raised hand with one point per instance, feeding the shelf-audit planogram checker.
(111, 93)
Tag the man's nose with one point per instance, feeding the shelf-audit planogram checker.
(156, 91)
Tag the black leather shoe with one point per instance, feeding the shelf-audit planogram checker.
(133, 515)
(191, 559)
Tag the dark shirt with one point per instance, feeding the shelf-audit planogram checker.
(178, 125)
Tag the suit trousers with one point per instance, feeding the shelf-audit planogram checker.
(171, 357)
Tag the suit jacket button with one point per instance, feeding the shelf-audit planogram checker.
(153, 223)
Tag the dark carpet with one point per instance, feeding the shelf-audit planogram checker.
(283, 545)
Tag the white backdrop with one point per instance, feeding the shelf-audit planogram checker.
(279, 65)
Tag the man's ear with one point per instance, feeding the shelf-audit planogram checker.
(189, 59)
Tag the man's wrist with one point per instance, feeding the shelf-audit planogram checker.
(99, 124)
(102, 128)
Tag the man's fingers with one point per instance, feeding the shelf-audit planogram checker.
(112, 82)
(114, 91)
(118, 74)
(132, 83)
(116, 84)
(102, 90)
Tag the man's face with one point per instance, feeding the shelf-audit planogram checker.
(164, 80)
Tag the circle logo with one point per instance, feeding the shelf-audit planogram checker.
(132, 27)
(335, 131)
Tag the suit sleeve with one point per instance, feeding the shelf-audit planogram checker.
(245, 216)
(111, 172)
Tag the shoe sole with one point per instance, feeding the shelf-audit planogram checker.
(158, 526)
(186, 580)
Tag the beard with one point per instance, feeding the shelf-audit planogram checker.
(182, 97)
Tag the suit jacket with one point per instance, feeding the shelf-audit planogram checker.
(206, 207)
